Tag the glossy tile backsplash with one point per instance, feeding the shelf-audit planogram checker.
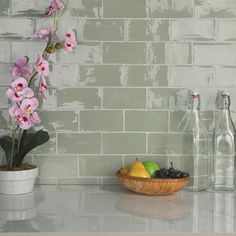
(125, 89)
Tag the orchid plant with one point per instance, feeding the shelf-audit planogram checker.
(28, 83)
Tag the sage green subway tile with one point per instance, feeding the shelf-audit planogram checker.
(169, 53)
(64, 76)
(124, 9)
(59, 120)
(225, 76)
(78, 143)
(66, 166)
(101, 120)
(101, 75)
(5, 77)
(217, 53)
(5, 52)
(124, 53)
(110, 181)
(81, 98)
(102, 30)
(82, 8)
(225, 30)
(4, 121)
(33, 8)
(79, 180)
(146, 76)
(146, 29)
(161, 160)
(191, 76)
(199, 30)
(167, 98)
(99, 165)
(215, 9)
(124, 143)
(170, 8)
(46, 181)
(82, 54)
(178, 53)
(50, 103)
(16, 29)
(124, 98)
(156, 53)
(48, 147)
(4, 102)
(31, 49)
(4, 7)
(179, 120)
(153, 121)
(169, 143)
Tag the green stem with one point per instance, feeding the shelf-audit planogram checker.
(13, 144)
(31, 77)
(19, 139)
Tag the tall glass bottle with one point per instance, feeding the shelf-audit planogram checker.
(197, 148)
(224, 148)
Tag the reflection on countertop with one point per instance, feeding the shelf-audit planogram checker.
(93, 208)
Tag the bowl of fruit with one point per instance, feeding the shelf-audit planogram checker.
(148, 178)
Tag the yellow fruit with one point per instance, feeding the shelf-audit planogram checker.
(124, 170)
(138, 170)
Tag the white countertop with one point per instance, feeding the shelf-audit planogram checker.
(93, 208)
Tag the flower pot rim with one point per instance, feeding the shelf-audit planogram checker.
(19, 175)
(32, 167)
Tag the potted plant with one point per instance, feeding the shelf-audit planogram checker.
(28, 83)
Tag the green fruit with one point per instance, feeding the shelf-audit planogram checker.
(151, 167)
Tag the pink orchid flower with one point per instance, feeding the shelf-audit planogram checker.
(70, 41)
(42, 66)
(19, 91)
(25, 114)
(53, 7)
(21, 68)
(42, 33)
(43, 87)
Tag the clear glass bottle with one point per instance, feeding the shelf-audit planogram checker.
(196, 139)
(224, 148)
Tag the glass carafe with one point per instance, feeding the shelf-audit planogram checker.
(224, 148)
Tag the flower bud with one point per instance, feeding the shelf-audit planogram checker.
(50, 50)
(58, 45)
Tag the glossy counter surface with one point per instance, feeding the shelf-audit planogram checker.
(93, 208)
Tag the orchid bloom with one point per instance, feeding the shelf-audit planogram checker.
(19, 91)
(25, 114)
(53, 7)
(43, 33)
(70, 41)
(43, 87)
(21, 68)
(42, 66)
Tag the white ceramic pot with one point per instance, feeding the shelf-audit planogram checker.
(17, 207)
(17, 182)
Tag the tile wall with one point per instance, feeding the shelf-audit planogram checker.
(124, 90)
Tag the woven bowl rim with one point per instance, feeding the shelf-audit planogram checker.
(153, 180)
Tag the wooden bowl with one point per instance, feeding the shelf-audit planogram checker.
(152, 186)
